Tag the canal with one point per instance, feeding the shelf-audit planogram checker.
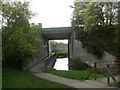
(61, 64)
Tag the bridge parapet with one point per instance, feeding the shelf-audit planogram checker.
(57, 33)
(57, 29)
(50, 60)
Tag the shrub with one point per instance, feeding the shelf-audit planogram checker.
(77, 64)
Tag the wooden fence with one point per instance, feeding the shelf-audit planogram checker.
(111, 69)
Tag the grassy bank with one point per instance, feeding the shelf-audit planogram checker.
(13, 78)
(62, 53)
(73, 74)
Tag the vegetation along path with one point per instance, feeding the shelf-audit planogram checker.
(73, 83)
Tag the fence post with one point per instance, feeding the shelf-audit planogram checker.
(108, 76)
(95, 64)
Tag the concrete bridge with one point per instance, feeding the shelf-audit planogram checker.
(75, 49)
(58, 33)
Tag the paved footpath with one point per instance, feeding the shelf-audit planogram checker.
(73, 83)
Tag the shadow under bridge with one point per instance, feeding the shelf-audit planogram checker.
(57, 33)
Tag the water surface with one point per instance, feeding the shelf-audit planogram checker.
(61, 64)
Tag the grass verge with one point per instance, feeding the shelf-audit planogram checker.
(62, 51)
(13, 78)
(73, 74)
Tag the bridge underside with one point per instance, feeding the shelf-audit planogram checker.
(57, 33)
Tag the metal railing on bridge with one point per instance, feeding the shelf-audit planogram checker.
(50, 60)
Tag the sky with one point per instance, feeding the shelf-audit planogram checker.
(63, 41)
(52, 13)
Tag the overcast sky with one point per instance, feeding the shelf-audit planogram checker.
(52, 13)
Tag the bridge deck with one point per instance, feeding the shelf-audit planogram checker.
(57, 33)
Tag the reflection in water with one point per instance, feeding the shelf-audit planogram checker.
(61, 64)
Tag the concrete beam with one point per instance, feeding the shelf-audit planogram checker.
(57, 33)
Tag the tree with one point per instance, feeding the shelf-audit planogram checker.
(55, 46)
(110, 12)
(18, 37)
(100, 31)
(93, 16)
(78, 14)
(117, 38)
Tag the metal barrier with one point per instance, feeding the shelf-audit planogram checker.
(50, 60)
